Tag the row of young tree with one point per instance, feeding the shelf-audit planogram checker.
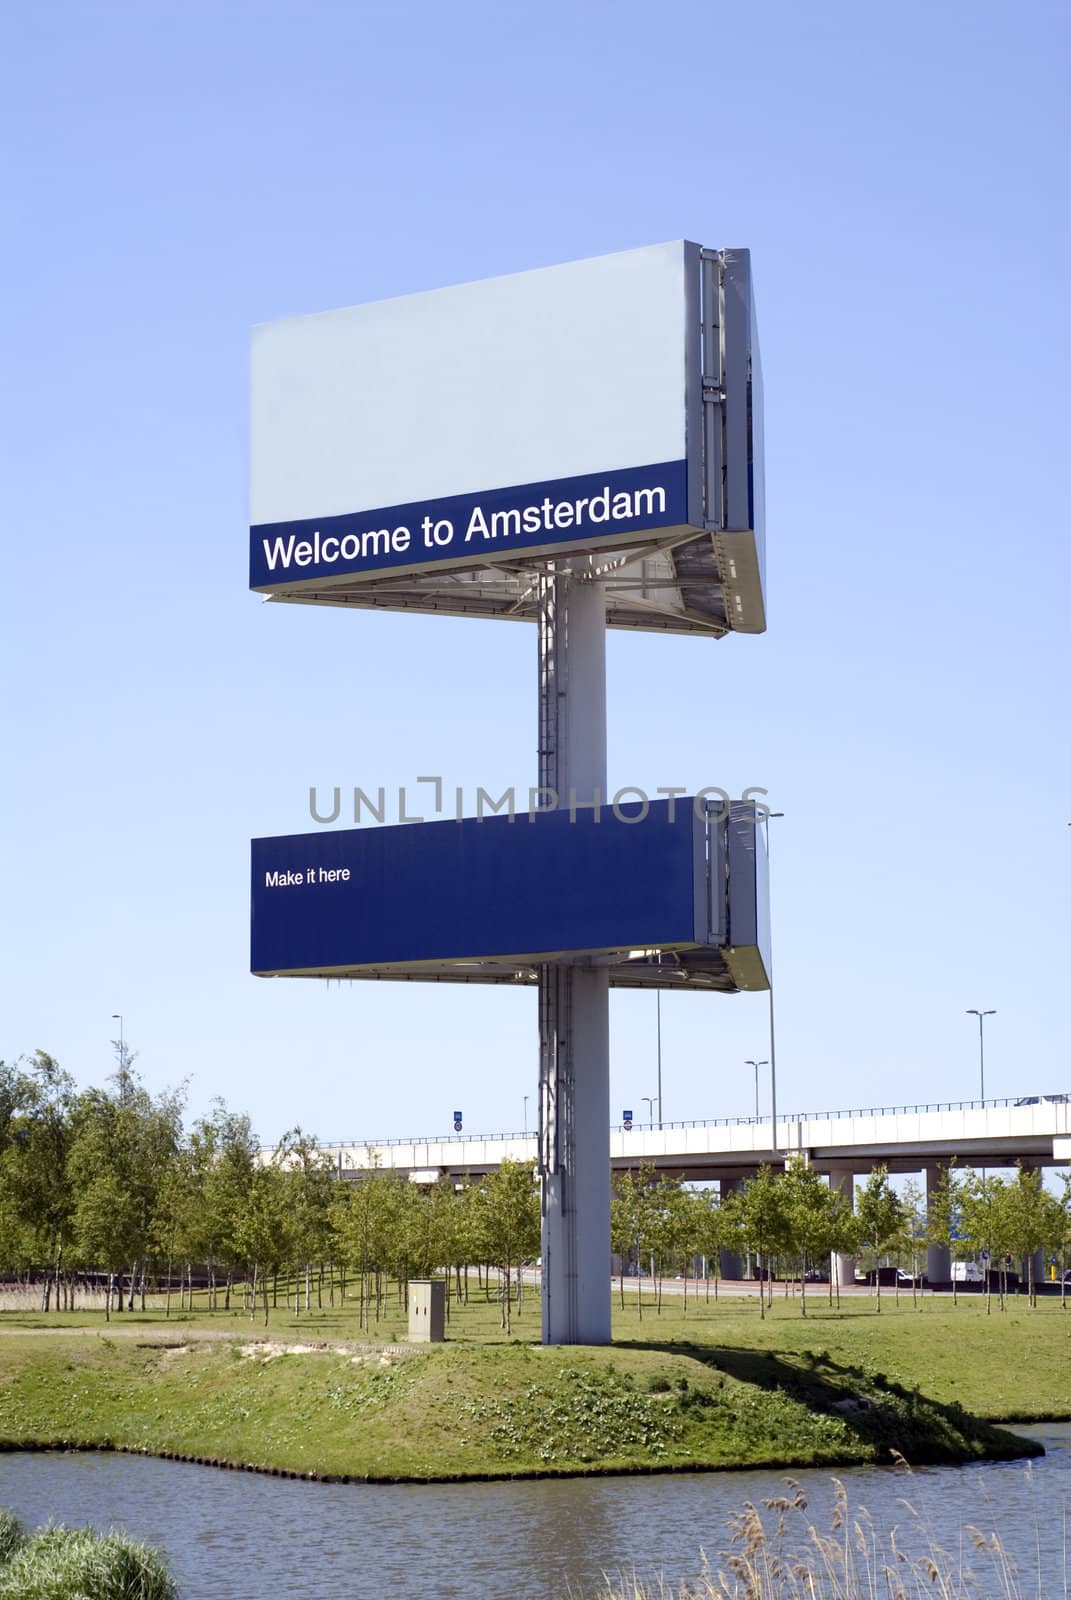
(108, 1184)
(791, 1223)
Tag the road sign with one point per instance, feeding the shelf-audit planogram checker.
(626, 1118)
(984, 1255)
(457, 1121)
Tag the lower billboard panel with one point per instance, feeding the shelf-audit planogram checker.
(652, 898)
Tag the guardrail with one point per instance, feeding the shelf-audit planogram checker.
(715, 1122)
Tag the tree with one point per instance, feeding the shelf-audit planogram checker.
(310, 1182)
(632, 1221)
(508, 1212)
(262, 1233)
(984, 1213)
(759, 1211)
(231, 1159)
(121, 1149)
(814, 1218)
(880, 1214)
(915, 1230)
(36, 1104)
(1033, 1220)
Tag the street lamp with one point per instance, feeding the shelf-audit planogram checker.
(124, 1087)
(981, 1015)
(756, 1065)
(649, 1100)
(773, 1047)
(526, 1116)
(658, 1019)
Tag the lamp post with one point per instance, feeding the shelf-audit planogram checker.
(123, 1084)
(526, 1116)
(658, 1023)
(770, 815)
(756, 1065)
(981, 1015)
(649, 1100)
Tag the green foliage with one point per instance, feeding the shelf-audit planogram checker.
(12, 1536)
(78, 1564)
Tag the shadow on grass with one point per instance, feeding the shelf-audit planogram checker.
(884, 1415)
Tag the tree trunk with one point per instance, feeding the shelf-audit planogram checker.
(253, 1302)
(167, 1297)
(108, 1298)
(264, 1281)
(308, 1285)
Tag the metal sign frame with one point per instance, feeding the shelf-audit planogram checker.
(685, 554)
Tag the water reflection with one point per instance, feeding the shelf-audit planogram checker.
(504, 1540)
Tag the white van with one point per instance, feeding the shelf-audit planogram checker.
(967, 1272)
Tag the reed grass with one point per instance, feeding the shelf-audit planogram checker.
(776, 1553)
(78, 1564)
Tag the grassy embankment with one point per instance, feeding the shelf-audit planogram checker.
(712, 1387)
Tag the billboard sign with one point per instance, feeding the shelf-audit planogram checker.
(651, 896)
(592, 407)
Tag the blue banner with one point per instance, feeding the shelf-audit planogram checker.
(477, 528)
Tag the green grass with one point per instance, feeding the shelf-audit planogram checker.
(713, 1398)
(1008, 1366)
(78, 1564)
(710, 1386)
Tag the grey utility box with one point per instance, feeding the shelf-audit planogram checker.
(427, 1310)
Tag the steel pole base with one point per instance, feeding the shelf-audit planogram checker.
(576, 1188)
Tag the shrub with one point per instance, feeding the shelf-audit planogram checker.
(78, 1564)
(12, 1536)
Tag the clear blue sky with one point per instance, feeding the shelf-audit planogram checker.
(900, 175)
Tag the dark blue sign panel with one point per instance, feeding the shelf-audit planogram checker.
(477, 527)
(542, 884)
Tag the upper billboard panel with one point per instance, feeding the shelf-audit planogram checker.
(427, 453)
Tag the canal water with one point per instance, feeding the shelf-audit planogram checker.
(241, 1535)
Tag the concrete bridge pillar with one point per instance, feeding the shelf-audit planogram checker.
(729, 1260)
(938, 1256)
(843, 1179)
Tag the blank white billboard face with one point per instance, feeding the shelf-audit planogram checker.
(539, 376)
(415, 453)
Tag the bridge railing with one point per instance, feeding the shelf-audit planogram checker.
(710, 1122)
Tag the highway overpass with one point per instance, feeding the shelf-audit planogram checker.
(1035, 1130)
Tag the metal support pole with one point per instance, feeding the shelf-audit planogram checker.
(938, 1256)
(843, 1265)
(658, 1016)
(574, 1032)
